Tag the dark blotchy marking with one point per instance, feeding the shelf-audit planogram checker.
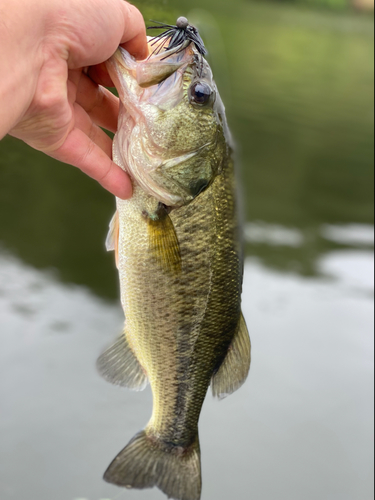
(160, 213)
(197, 187)
(164, 209)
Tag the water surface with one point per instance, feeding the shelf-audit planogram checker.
(301, 427)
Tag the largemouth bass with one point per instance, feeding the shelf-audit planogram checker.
(179, 256)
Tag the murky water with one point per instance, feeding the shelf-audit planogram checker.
(297, 84)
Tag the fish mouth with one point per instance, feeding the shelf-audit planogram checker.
(162, 63)
(153, 70)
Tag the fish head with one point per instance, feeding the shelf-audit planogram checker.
(172, 135)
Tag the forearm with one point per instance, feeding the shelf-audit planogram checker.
(21, 36)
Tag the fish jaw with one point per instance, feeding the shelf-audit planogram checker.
(159, 67)
(121, 68)
(132, 77)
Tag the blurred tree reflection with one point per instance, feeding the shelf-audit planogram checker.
(333, 4)
(298, 86)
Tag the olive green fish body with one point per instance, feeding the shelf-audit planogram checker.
(180, 325)
(179, 256)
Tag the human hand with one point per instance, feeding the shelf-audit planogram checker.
(67, 105)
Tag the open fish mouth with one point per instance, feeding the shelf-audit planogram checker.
(161, 64)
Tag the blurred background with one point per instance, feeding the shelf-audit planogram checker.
(297, 81)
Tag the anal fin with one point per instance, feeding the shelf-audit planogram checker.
(119, 366)
(235, 368)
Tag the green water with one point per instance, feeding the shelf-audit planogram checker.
(298, 87)
(297, 84)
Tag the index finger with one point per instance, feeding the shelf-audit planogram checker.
(79, 150)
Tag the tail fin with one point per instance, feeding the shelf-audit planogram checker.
(144, 463)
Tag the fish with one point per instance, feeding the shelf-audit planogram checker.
(179, 255)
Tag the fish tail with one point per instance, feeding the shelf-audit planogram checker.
(146, 462)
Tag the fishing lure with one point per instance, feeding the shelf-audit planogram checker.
(179, 36)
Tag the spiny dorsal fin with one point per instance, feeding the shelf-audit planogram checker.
(163, 242)
(119, 366)
(235, 368)
(111, 242)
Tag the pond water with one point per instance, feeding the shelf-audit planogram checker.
(298, 88)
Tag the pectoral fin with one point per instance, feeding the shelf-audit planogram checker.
(113, 236)
(235, 367)
(163, 242)
(119, 366)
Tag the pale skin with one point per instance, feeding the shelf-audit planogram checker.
(51, 89)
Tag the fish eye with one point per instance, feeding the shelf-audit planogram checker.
(201, 94)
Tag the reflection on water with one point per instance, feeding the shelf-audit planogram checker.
(357, 235)
(298, 88)
(303, 418)
(300, 250)
(352, 234)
